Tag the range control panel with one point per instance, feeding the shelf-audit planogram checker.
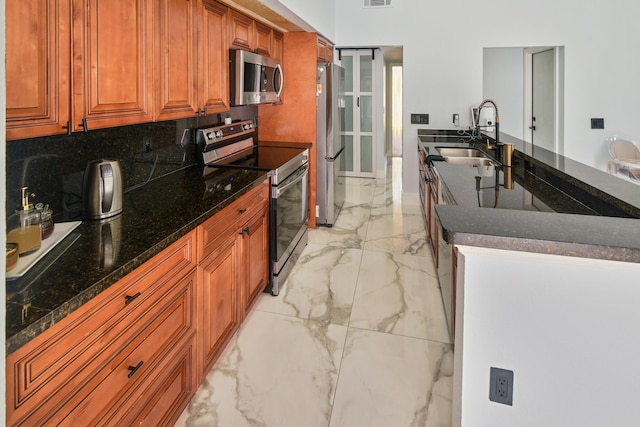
(217, 134)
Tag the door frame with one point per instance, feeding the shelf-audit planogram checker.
(558, 126)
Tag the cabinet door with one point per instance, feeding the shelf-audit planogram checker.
(264, 36)
(176, 59)
(214, 58)
(255, 247)
(219, 316)
(241, 31)
(112, 69)
(38, 44)
(277, 49)
(432, 220)
(322, 49)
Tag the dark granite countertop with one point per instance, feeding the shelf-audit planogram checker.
(585, 236)
(154, 217)
(535, 216)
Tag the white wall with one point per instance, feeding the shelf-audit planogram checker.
(319, 14)
(566, 327)
(443, 44)
(503, 79)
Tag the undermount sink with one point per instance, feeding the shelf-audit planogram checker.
(470, 161)
(460, 152)
(441, 133)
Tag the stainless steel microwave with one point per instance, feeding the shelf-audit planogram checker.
(254, 79)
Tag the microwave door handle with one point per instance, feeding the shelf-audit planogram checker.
(279, 72)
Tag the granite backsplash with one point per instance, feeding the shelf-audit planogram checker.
(52, 167)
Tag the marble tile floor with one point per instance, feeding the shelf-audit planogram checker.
(356, 337)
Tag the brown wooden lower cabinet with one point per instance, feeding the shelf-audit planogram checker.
(136, 353)
(80, 368)
(218, 302)
(233, 271)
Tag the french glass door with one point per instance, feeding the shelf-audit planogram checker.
(358, 124)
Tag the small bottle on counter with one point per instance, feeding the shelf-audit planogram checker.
(46, 216)
(24, 226)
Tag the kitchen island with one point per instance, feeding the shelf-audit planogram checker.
(543, 283)
(581, 211)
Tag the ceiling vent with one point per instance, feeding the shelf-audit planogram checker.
(376, 3)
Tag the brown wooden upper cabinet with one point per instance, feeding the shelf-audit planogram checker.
(325, 50)
(277, 51)
(75, 65)
(38, 44)
(112, 63)
(191, 59)
(242, 31)
(248, 34)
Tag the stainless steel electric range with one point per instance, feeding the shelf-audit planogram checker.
(235, 146)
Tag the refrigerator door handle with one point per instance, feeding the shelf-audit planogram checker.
(331, 159)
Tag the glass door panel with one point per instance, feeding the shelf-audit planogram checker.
(347, 156)
(366, 154)
(347, 117)
(366, 73)
(366, 113)
(347, 64)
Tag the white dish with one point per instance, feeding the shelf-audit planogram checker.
(24, 264)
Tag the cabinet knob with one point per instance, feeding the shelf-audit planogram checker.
(242, 211)
(134, 369)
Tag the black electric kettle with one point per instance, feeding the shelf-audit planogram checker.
(102, 189)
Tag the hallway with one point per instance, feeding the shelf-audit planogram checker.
(357, 336)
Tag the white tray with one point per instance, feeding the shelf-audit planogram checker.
(61, 230)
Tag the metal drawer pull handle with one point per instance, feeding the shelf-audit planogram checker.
(130, 298)
(244, 230)
(242, 211)
(134, 369)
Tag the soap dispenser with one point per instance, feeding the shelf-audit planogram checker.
(24, 226)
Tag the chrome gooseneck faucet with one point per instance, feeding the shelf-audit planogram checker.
(497, 143)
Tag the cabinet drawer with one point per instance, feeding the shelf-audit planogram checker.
(56, 365)
(164, 397)
(165, 326)
(230, 218)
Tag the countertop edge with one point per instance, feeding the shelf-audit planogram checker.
(547, 247)
(603, 238)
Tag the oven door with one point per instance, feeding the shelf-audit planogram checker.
(289, 216)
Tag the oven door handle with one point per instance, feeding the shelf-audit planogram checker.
(293, 180)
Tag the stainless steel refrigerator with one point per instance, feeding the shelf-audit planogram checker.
(330, 185)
